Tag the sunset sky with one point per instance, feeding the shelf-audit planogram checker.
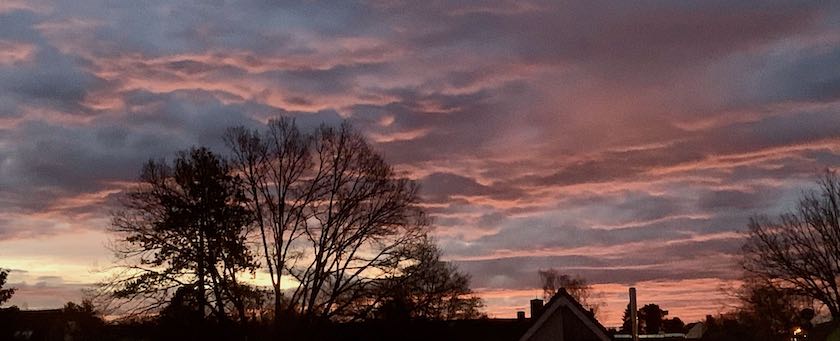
(627, 142)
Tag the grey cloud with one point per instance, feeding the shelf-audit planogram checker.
(437, 187)
(43, 295)
(642, 39)
(338, 79)
(774, 131)
(650, 207)
(6, 230)
(52, 79)
(191, 26)
(49, 161)
(522, 234)
(790, 76)
(470, 126)
(51, 279)
(592, 171)
(448, 188)
(735, 199)
(490, 220)
(692, 260)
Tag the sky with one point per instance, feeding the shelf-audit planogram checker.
(627, 142)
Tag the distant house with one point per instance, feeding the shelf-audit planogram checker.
(694, 331)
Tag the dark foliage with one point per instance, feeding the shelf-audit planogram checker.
(651, 317)
(772, 310)
(428, 289)
(652, 321)
(730, 328)
(184, 227)
(626, 324)
(73, 322)
(5, 294)
(673, 325)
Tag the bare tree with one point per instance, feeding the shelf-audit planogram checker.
(333, 216)
(277, 169)
(553, 280)
(183, 225)
(800, 251)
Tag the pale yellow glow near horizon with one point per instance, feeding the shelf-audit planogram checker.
(82, 257)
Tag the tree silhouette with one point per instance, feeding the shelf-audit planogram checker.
(183, 317)
(86, 324)
(800, 251)
(5, 294)
(651, 316)
(651, 321)
(184, 309)
(626, 324)
(673, 325)
(428, 289)
(773, 311)
(332, 215)
(275, 166)
(183, 225)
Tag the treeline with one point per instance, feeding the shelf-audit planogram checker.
(283, 234)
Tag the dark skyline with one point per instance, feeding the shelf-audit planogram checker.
(627, 142)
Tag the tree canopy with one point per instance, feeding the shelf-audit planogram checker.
(652, 317)
(333, 216)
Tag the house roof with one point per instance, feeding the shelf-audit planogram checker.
(560, 299)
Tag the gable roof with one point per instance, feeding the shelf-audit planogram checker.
(563, 299)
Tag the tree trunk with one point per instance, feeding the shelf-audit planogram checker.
(278, 309)
(217, 279)
(202, 299)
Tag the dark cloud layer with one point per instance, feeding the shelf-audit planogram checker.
(622, 141)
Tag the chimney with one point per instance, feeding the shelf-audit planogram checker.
(536, 307)
(520, 315)
(634, 320)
